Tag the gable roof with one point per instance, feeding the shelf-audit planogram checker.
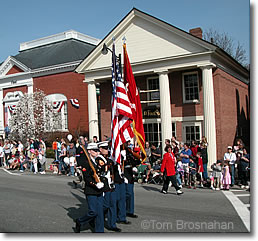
(94, 61)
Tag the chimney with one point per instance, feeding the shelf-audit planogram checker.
(197, 32)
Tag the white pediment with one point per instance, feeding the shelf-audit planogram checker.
(147, 39)
(6, 66)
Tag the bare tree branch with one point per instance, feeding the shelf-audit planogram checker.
(227, 43)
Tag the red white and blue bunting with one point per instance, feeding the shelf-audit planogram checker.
(11, 108)
(57, 105)
(75, 103)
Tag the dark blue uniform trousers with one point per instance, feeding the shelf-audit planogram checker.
(120, 202)
(95, 211)
(129, 198)
(110, 207)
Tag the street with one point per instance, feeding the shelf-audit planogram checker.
(49, 203)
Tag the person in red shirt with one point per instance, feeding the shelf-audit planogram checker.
(200, 168)
(168, 170)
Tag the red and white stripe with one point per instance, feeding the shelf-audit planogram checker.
(121, 129)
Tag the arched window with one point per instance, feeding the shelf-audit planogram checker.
(59, 102)
(10, 101)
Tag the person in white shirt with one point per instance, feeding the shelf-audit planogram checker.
(20, 146)
(231, 158)
(1, 155)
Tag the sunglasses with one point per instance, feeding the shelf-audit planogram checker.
(96, 150)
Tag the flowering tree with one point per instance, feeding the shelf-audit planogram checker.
(33, 117)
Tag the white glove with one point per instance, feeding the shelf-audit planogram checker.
(100, 185)
(126, 180)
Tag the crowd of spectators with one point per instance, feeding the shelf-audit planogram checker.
(191, 165)
(191, 168)
(16, 156)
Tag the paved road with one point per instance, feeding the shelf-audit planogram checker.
(49, 203)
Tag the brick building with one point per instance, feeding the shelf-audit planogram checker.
(189, 87)
(48, 64)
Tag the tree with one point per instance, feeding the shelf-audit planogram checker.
(228, 44)
(33, 117)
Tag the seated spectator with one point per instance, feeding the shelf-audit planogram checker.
(15, 164)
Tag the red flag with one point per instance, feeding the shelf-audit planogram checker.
(134, 98)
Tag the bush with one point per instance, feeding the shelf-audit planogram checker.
(50, 153)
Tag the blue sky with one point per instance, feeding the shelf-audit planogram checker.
(26, 20)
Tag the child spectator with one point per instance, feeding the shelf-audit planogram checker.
(226, 178)
(1, 155)
(230, 157)
(34, 161)
(62, 162)
(216, 174)
(192, 174)
(179, 173)
(23, 162)
(200, 168)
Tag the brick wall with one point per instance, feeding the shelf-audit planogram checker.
(71, 85)
(14, 70)
(231, 110)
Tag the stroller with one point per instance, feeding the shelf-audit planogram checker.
(140, 174)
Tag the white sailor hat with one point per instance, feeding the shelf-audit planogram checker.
(103, 144)
(93, 146)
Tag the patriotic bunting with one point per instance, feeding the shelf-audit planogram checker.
(75, 103)
(57, 105)
(11, 108)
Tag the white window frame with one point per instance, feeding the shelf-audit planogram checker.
(186, 124)
(63, 111)
(149, 92)
(183, 87)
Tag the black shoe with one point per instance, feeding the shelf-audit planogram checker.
(124, 222)
(131, 215)
(92, 223)
(77, 226)
(115, 229)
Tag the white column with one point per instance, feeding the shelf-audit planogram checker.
(209, 113)
(165, 107)
(92, 110)
(30, 88)
(1, 111)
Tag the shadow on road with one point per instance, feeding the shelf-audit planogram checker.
(79, 210)
(150, 188)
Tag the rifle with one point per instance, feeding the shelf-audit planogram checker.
(96, 177)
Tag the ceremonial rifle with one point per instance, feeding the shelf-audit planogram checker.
(96, 177)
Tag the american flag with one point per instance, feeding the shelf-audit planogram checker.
(121, 116)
